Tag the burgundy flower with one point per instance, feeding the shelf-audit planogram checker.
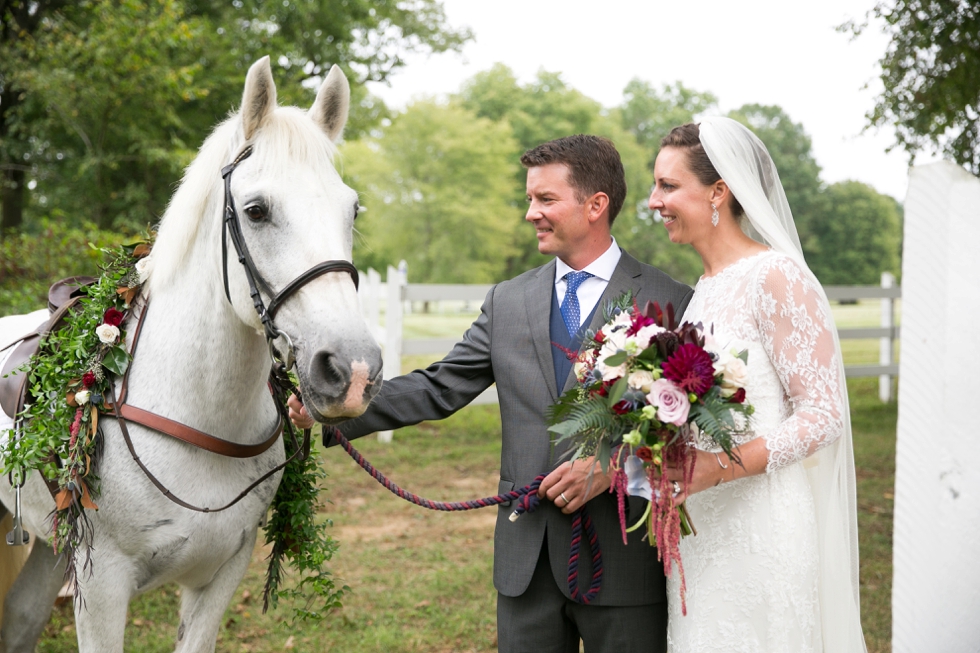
(738, 397)
(639, 321)
(113, 317)
(88, 379)
(644, 454)
(690, 367)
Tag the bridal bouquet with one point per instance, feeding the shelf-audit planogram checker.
(647, 391)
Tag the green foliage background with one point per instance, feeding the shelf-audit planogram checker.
(104, 102)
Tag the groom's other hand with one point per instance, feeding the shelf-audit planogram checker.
(298, 414)
(573, 484)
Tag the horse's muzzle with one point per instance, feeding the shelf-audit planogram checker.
(342, 386)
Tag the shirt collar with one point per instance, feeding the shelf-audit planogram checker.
(603, 267)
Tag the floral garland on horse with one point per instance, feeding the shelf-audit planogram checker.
(70, 381)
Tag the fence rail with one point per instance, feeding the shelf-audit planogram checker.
(397, 292)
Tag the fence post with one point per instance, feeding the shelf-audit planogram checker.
(369, 295)
(393, 331)
(886, 344)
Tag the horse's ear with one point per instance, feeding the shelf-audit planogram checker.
(259, 99)
(332, 103)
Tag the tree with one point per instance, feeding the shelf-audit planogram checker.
(437, 185)
(19, 19)
(650, 114)
(119, 94)
(929, 72)
(860, 236)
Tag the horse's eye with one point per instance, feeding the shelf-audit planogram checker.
(255, 213)
(357, 209)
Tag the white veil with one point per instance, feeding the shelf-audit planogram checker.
(743, 162)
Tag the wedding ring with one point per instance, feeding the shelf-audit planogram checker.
(677, 488)
(562, 495)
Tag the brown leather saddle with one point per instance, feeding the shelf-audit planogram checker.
(62, 296)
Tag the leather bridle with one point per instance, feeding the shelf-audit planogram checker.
(279, 382)
(256, 282)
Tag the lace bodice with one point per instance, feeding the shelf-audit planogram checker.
(767, 304)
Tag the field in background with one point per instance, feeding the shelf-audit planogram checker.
(421, 581)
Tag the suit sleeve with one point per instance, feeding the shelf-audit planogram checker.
(435, 392)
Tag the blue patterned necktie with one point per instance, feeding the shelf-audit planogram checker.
(570, 311)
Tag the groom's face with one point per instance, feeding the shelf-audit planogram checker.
(559, 216)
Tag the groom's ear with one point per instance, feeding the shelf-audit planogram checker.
(597, 206)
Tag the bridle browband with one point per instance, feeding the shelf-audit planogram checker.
(256, 282)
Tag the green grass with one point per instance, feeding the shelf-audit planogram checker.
(421, 581)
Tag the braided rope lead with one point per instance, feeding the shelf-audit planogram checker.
(527, 500)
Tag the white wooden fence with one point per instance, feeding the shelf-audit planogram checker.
(396, 293)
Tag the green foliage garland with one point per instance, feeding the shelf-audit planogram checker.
(69, 388)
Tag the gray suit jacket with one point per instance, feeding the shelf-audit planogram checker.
(509, 344)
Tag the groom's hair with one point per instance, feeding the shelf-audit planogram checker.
(688, 138)
(593, 165)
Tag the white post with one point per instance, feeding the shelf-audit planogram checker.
(886, 344)
(393, 331)
(936, 583)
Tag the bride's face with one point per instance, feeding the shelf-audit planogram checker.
(684, 203)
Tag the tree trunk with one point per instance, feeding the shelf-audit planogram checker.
(12, 200)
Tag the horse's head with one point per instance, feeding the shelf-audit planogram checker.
(293, 213)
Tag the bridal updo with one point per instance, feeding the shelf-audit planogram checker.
(688, 138)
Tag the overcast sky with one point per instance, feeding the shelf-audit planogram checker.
(764, 51)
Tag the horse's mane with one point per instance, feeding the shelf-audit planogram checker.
(286, 139)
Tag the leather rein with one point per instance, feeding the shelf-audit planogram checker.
(279, 382)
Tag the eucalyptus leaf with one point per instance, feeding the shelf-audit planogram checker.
(616, 359)
(617, 391)
(116, 360)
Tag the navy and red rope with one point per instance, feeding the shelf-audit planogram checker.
(527, 500)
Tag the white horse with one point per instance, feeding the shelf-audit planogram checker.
(204, 361)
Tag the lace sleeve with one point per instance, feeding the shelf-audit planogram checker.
(797, 333)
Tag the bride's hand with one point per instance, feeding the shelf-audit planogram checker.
(712, 469)
(706, 475)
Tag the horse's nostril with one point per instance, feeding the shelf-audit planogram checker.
(325, 373)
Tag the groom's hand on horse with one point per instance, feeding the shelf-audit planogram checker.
(579, 481)
(298, 414)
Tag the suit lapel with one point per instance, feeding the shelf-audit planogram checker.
(626, 277)
(537, 303)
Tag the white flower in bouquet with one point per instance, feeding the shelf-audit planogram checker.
(734, 372)
(641, 380)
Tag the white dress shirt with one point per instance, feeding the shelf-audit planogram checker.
(592, 288)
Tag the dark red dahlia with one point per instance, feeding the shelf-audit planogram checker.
(88, 379)
(691, 369)
(113, 317)
(738, 397)
(644, 454)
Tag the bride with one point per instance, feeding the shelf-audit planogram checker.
(774, 565)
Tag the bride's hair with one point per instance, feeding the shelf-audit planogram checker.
(688, 138)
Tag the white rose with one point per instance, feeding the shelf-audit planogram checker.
(646, 334)
(82, 397)
(641, 380)
(107, 333)
(735, 373)
(580, 368)
(143, 268)
(609, 372)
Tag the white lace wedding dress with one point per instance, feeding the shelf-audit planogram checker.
(752, 570)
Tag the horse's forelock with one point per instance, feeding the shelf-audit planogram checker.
(286, 140)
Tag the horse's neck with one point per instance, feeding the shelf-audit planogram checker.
(196, 363)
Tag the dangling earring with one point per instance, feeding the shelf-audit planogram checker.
(714, 216)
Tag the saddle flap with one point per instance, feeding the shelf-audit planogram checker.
(12, 383)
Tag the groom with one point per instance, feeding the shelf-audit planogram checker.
(575, 187)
